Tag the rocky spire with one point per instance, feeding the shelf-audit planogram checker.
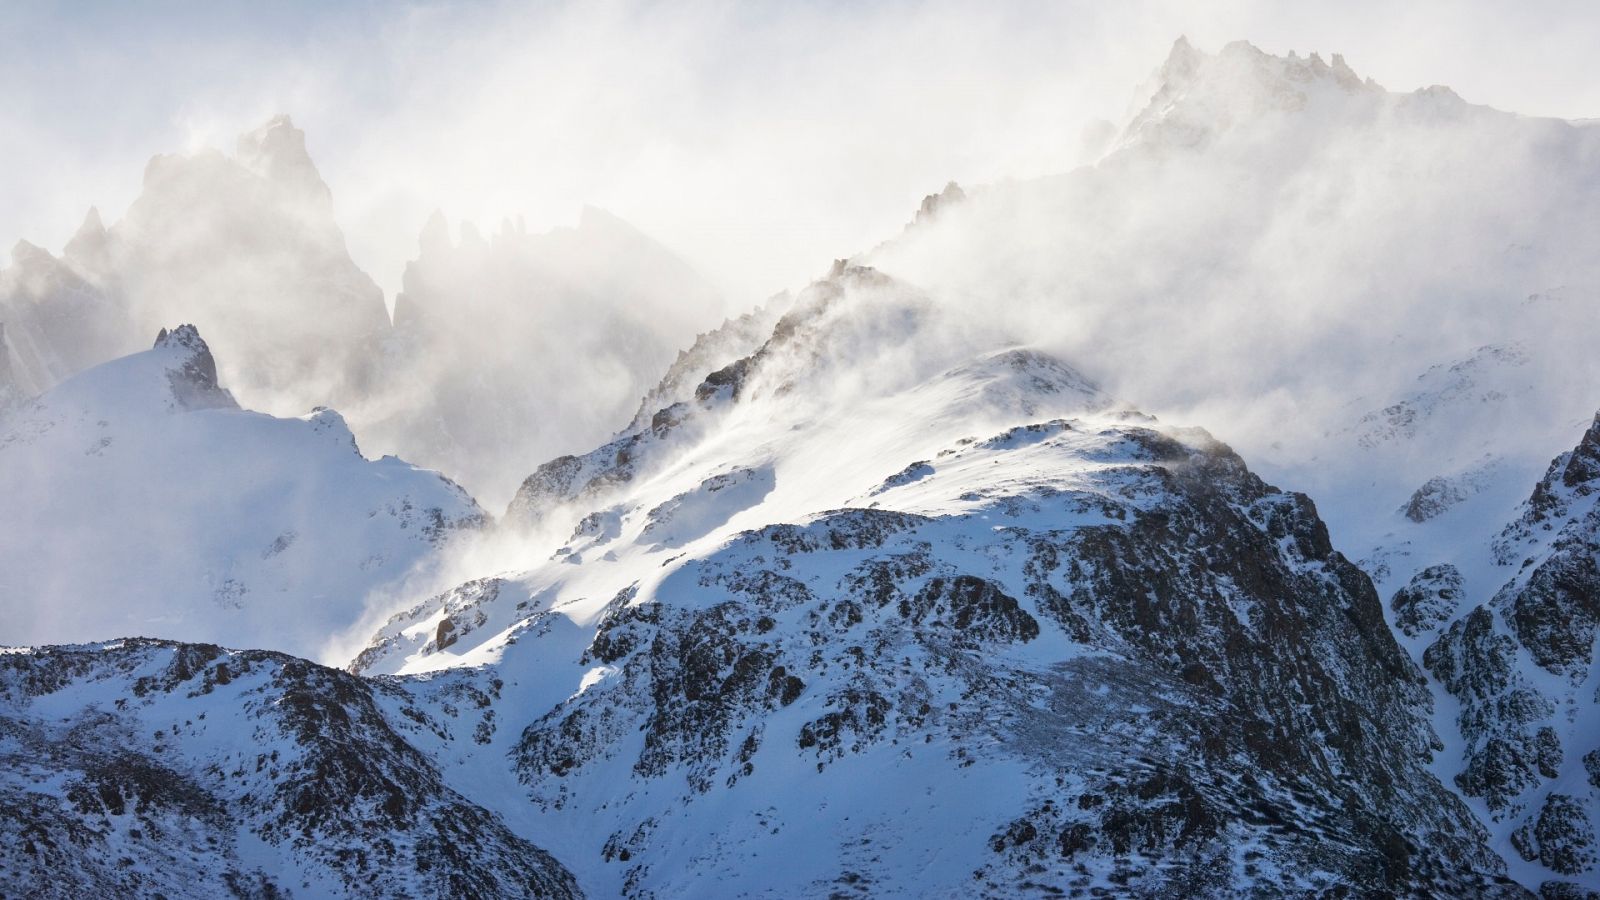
(1583, 466)
(1183, 61)
(434, 241)
(194, 371)
(88, 245)
(934, 204)
(1195, 96)
(277, 151)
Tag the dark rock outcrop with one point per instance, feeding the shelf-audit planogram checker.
(179, 766)
(1428, 600)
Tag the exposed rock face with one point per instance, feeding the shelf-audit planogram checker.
(1509, 748)
(1562, 838)
(194, 377)
(1554, 602)
(1428, 601)
(1520, 666)
(1435, 496)
(150, 767)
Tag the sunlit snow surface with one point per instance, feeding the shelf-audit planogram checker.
(127, 512)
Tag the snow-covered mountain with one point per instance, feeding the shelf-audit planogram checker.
(884, 611)
(880, 610)
(1284, 251)
(141, 500)
(889, 588)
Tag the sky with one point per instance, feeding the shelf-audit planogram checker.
(758, 140)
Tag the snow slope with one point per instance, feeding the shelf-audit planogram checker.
(140, 500)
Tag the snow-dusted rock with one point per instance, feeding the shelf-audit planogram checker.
(152, 768)
(1428, 601)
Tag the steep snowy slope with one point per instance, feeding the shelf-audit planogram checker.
(887, 610)
(140, 500)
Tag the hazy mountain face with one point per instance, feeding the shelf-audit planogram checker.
(510, 350)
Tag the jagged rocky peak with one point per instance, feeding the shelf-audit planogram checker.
(855, 334)
(193, 372)
(87, 246)
(269, 173)
(277, 150)
(1195, 96)
(1428, 601)
(934, 204)
(247, 246)
(1581, 472)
